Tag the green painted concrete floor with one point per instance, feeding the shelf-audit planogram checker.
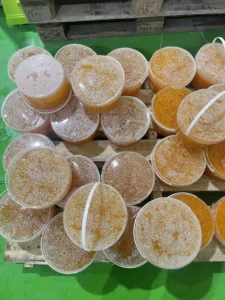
(101, 280)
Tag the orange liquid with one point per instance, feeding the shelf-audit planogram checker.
(54, 101)
(200, 83)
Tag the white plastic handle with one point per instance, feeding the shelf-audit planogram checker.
(198, 116)
(85, 215)
(221, 39)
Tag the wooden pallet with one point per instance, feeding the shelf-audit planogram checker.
(99, 150)
(122, 18)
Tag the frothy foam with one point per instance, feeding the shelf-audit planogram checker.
(167, 233)
(131, 175)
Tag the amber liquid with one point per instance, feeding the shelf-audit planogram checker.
(56, 100)
(200, 83)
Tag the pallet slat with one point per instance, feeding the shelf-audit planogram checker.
(122, 10)
(29, 253)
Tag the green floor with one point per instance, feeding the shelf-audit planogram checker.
(102, 281)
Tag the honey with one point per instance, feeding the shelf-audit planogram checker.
(167, 233)
(24, 142)
(135, 67)
(131, 175)
(60, 253)
(210, 62)
(215, 158)
(21, 224)
(125, 253)
(73, 123)
(41, 79)
(38, 178)
(218, 209)
(127, 123)
(20, 55)
(84, 171)
(98, 82)
(106, 219)
(19, 116)
(210, 127)
(70, 54)
(177, 164)
(171, 67)
(202, 212)
(164, 109)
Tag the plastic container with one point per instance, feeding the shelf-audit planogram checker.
(215, 159)
(202, 212)
(217, 87)
(21, 224)
(20, 55)
(210, 62)
(176, 164)
(167, 233)
(84, 171)
(98, 82)
(171, 67)
(70, 54)
(38, 178)
(127, 123)
(73, 123)
(210, 127)
(131, 175)
(164, 109)
(135, 67)
(60, 253)
(18, 115)
(95, 217)
(124, 253)
(41, 79)
(24, 142)
(218, 209)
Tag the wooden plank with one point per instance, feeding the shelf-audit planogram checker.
(145, 7)
(29, 253)
(39, 10)
(205, 183)
(51, 32)
(122, 10)
(100, 151)
(115, 28)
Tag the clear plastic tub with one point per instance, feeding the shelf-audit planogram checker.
(167, 233)
(20, 55)
(95, 217)
(98, 82)
(84, 171)
(215, 159)
(24, 142)
(164, 109)
(135, 67)
(38, 178)
(18, 115)
(70, 54)
(210, 62)
(124, 253)
(21, 224)
(171, 67)
(73, 123)
(218, 209)
(210, 127)
(202, 212)
(217, 87)
(176, 164)
(41, 79)
(60, 253)
(127, 123)
(131, 174)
